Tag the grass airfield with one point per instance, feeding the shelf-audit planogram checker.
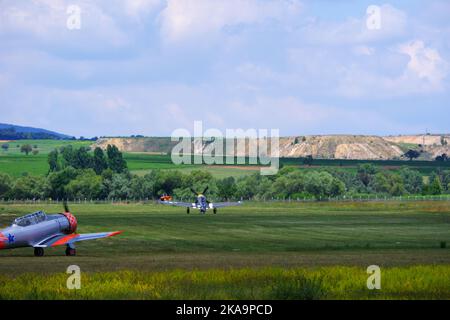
(317, 246)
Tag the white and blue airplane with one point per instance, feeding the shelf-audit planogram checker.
(201, 203)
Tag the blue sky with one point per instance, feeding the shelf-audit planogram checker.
(152, 66)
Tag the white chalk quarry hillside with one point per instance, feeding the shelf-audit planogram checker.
(324, 147)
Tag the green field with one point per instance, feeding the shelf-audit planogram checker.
(424, 167)
(298, 250)
(44, 146)
(142, 163)
(16, 163)
(291, 240)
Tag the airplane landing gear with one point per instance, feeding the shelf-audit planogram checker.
(38, 252)
(71, 251)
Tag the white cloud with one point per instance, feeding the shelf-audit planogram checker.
(294, 116)
(264, 69)
(354, 30)
(424, 72)
(116, 104)
(44, 22)
(139, 8)
(363, 50)
(425, 63)
(183, 19)
(33, 17)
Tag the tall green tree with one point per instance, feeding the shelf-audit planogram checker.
(5, 184)
(323, 184)
(226, 188)
(366, 173)
(445, 179)
(412, 180)
(30, 187)
(167, 181)
(52, 160)
(59, 180)
(67, 154)
(99, 162)
(436, 186)
(245, 187)
(81, 159)
(86, 185)
(142, 187)
(120, 187)
(115, 159)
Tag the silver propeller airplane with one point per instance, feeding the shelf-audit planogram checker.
(201, 203)
(39, 230)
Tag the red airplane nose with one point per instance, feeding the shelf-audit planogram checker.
(72, 222)
(3, 240)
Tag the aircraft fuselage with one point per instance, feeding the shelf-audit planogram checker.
(17, 236)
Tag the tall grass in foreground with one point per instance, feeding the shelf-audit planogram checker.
(418, 282)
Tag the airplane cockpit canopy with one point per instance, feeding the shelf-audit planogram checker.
(30, 219)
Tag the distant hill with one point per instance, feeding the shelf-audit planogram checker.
(356, 147)
(14, 132)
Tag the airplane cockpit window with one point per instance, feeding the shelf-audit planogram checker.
(30, 219)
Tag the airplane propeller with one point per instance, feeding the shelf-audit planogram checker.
(196, 193)
(66, 206)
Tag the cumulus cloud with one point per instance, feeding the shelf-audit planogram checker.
(363, 50)
(424, 63)
(275, 65)
(423, 71)
(293, 116)
(186, 19)
(354, 30)
(44, 23)
(141, 7)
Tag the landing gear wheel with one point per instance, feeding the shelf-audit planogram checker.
(188, 210)
(38, 252)
(71, 252)
(215, 210)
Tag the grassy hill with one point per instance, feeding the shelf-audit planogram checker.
(15, 132)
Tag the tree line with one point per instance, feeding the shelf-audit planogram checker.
(81, 174)
(67, 157)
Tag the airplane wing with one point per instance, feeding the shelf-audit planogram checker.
(177, 204)
(226, 204)
(62, 239)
